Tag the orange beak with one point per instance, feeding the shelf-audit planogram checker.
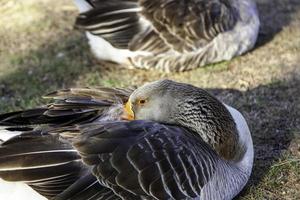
(127, 112)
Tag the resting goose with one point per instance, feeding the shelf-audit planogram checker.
(168, 35)
(169, 141)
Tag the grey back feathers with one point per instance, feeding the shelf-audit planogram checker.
(171, 35)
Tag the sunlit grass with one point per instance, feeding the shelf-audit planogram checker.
(17, 15)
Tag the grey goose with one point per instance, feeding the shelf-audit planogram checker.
(168, 35)
(169, 141)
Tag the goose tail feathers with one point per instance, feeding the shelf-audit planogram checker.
(115, 21)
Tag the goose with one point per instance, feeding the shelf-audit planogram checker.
(168, 35)
(162, 140)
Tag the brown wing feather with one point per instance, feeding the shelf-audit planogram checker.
(51, 166)
(48, 163)
(70, 106)
(189, 24)
(149, 41)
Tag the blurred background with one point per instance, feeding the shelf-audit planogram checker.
(40, 51)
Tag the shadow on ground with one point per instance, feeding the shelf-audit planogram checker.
(274, 16)
(273, 114)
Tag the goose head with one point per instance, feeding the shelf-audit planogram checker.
(185, 105)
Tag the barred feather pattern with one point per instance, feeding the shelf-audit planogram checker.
(49, 164)
(149, 41)
(175, 164)
(131, 160)
(114, 21)
(175, 62)
(211, 121)
(187, 25)
(72, 106)
(171, 35)
(46, 164)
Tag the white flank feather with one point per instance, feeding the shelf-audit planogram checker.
(103, 50)
(82, 5)
(18, 191)
(6, 135)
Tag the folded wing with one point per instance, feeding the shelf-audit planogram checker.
(177, 24)
(49, 164)
(44, 162)
(189, 25)
(71, 106)
(147, 159)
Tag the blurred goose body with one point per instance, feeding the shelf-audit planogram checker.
(175, 141)
(168, 35)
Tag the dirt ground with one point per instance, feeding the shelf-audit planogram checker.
(40, 52)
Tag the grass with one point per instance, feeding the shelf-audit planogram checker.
(41, 52)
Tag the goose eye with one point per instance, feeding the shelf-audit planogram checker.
(142, 101)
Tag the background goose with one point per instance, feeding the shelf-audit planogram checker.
(175, 141)
(168, 35)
